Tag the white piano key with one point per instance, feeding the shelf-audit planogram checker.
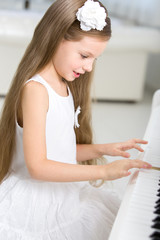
(152, 197)
(140, 214)
(146, 205)
(146, 219)
(136, 231)
(144, 194)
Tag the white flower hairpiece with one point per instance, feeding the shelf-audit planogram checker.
(91, 16)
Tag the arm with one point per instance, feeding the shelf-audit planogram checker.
(34, 109)
(90, 151)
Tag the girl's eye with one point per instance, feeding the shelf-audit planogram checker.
(83, 56)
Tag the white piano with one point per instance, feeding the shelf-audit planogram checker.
(139, 215)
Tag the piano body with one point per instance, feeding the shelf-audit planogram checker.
(139, 215)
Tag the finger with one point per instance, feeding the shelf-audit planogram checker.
(138, 148)
(140, 164)
(135, 146)
(123, 154)
(130, 146)
(146, 165)
(126, 154)
(141, 141)
(126, 173)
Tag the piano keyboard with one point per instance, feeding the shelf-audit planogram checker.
(139, 215)
(141, 221)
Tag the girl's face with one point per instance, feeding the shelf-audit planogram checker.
(74, 58)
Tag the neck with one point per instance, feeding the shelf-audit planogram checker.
(50, 74)
(54, 80)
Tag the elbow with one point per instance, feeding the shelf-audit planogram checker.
(35, 176)
(35, 172)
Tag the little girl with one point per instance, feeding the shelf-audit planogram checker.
(47, 170)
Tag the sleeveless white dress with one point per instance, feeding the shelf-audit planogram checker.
(36, 210)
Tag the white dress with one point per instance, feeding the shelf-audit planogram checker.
(36, 210)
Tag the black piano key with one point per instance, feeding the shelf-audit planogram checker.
(158, 190)
(156, 225)
(158, 195)
(155, 235)
(157, 206)
(157, 211)
(157, 219)
(158, 201)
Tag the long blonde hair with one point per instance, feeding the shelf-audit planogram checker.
(59, 22)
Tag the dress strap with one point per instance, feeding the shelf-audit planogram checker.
(36, 78)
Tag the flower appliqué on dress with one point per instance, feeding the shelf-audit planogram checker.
(76, 124)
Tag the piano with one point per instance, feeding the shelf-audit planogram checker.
(138, 217)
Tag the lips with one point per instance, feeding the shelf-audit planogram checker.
(76, 74)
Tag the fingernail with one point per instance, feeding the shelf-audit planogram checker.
(147, 166)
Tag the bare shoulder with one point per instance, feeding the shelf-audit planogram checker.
(34, 92)
(34, 87)
(33, 99)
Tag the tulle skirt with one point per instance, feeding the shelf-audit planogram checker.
(37, 210)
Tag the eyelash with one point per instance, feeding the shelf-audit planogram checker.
(83, 56)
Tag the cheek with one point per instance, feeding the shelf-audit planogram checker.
(65, 67)
(66, 62)
(72, 63)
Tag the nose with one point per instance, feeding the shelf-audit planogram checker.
(88, 66)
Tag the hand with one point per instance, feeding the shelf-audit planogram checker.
(120, 168)
(119, 149)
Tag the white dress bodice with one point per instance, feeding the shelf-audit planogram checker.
(60, 134)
